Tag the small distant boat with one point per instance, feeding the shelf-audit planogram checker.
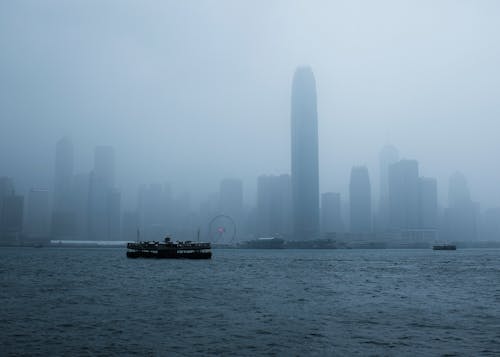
(444, 247)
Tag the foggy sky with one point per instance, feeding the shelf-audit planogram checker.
(190, 92)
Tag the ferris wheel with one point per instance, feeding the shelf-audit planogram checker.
(222, 230)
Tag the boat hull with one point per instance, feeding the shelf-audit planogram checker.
(169, 255)
(444, 247)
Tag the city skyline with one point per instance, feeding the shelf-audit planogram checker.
(428, 90)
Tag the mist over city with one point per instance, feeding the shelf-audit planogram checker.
(255, 124)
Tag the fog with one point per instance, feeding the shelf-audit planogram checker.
(192, 92)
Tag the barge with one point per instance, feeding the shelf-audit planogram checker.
(169, 249)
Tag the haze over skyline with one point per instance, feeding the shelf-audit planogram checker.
(194, 92)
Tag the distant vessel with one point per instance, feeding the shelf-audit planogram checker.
(264, 243)
(444, 247)
(169, 250)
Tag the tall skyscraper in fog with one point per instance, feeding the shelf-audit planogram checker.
(404, 195)
(428, 203)
(461, 217)
(63, 215)
(388, 156)
(63, 174)
(104, 201)
(304, 130)
(360, 200)
(104, 165)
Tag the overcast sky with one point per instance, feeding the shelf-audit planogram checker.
(190, 92)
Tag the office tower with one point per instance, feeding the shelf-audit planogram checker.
(63, 217)
(304, 147)
(273, 214)
(331, 217)
(360, 200)
(37, 217)
(103, 199)
(388, 156)
(428, 204)
(403, 195)
(461, 216)
(80, 202)
(104, 166)
(114, 214)
(63, 174)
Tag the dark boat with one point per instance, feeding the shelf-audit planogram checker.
(169, 250)
(444, 247)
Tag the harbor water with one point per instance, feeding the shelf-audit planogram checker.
(69, 301)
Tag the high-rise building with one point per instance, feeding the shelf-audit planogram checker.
(63, 174)
(428, 203)
(304, 147)
(360, 200)
(331, 217)
(461, 216)
(37, 217)
(273, 214)
(80, 190)
(104, 166)
(404, 195)
(103, 203)
(63, 216)
(388, 156)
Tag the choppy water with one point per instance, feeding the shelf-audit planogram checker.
(250, 302)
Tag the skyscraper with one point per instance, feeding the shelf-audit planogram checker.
(461, 217)
(63, 215)
(104, 201)
(304, 140)
(404, 195)
(428, 204)
(360, 200)
(63, 174)
(388, 156)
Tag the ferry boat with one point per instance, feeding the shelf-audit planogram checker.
(444, 247)
(169, 249)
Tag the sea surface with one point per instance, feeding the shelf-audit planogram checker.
(70, 301)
